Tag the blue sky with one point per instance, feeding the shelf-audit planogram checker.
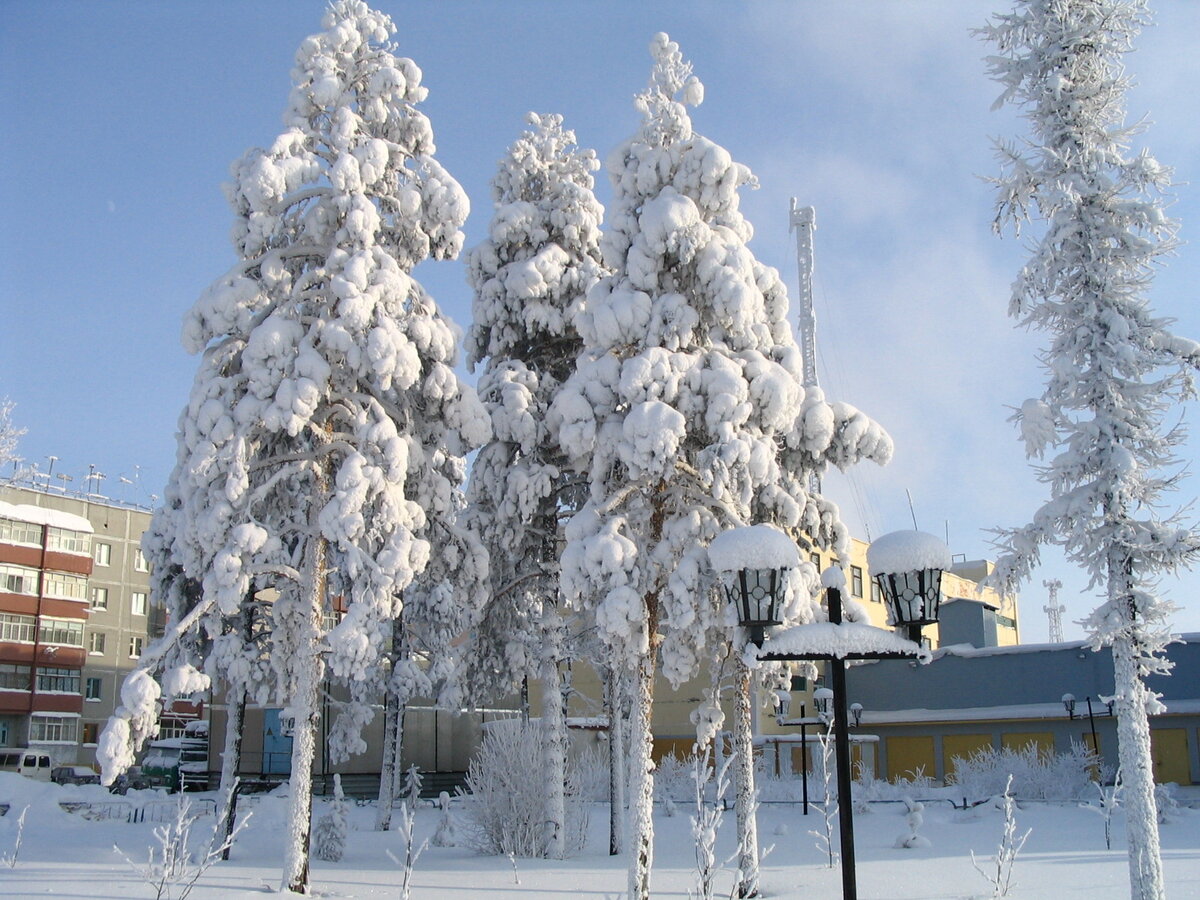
(121, 120)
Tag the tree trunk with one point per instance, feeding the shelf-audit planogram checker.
(1137, 774)
(231, 762)
(235, 721)
(393, 738)
(310, 668)
(641, 780)
(1133, 734)
(745, 799)
(614, 700)
(554, 759)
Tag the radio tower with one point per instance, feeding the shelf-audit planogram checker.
(1054, 611)
(803, 221)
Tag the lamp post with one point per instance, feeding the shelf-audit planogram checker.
(908, 570)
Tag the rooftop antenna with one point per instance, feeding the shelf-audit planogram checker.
(911, 511)
(1054, 611)
(803, 221)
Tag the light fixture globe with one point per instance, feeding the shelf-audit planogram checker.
(907, 566)
(752, 561)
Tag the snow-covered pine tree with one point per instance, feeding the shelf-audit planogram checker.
(688, 379)
(329, 836)
(325, 439)
(529, 276)
(1114, 369)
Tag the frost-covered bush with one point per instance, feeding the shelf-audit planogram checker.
(674, 778)
(1037, 775)
(592, 771)
(329, 834)
(866, 787)
(504, 814)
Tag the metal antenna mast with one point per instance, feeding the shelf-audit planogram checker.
(1054, 611)
(803, 221)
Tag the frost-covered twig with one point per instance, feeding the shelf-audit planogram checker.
(1110, 799)
(706, 821)
(171, 869)
(829, 808)
(412, 786)
(1006, 854)
(411, 854)
(10, 859)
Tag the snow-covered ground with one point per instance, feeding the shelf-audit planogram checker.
(63, 854)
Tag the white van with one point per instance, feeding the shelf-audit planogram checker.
(24, 761)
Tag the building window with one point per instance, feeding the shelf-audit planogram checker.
(56, 680)
(876, 594)
(93, 689)
(815, 559)
(96, 642)
(55, 729)
(139, 562)
(139, 603)
(798, 683)
(856, 581)
(18, 580)
(135, 647)
(68, 587)
(14, 532)
(99, 598)
(102, 554)
(61, 631)
(14, 677)
(19, 629)
(91, 732)
(67, 541)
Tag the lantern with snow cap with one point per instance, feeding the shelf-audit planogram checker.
(752, 561)
(907, 566)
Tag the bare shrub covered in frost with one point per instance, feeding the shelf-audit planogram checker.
(914, 783)
(674, 778)
(172, 868)
(504, 813)
(999, 874)
(1038, 776)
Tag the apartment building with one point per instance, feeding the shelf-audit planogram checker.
(74, 615)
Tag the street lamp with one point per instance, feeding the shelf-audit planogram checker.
(856, 710)
(908, 566)
(822, 699)
(1068, 701)
(908, 570)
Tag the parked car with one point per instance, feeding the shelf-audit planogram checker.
(179, 763)
(74, 775)
(130, 778)
(24, 761)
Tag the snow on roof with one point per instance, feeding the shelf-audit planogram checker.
(907, 551)
(753, 547)
(849, 638)
(38, 515)
(989, 713)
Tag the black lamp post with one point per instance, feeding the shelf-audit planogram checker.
(908, 572)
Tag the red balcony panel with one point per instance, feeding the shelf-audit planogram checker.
(23, 556)
(15, 701)
(68, 562)
(65, 657)
(18, 603)
(16, 653)
(65, 609)
(57, 703)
